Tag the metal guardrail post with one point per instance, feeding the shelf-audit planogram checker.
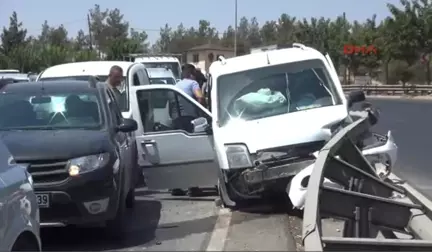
(365, 203)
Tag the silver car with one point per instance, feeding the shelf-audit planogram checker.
(19, 212)
(161, 76)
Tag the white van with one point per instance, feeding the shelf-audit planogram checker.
(135, 74)
(245, 151)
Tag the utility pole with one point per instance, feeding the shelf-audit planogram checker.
(235, 28)
(90, 33)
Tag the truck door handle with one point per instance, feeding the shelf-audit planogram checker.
(148, 141)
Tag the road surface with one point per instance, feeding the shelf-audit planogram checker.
(411, 123)
(165, 223)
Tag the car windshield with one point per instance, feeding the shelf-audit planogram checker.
(173, 66)
(24, 111)
(275, 90)
(162, 81)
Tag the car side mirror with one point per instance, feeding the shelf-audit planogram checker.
(127, 125)
(200, 125)
(355, 97)
(178, 80)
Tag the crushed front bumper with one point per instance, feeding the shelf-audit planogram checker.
(266, 174)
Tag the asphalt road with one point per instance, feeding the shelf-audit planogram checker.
(161, 222)
(411, 123)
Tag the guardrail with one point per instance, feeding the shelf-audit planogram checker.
(375, 212)
(408, 89)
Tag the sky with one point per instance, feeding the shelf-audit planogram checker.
(150, 15)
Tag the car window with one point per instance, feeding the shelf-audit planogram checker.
(165, 110)
(136, 80)
(49, 111)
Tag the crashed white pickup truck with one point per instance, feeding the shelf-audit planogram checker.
(272, 112)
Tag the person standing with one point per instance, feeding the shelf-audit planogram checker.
(189, 84)
(114, 81)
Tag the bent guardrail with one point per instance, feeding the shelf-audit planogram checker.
(408, 89)
(374, 211)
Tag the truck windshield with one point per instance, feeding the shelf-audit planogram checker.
(49, 111)
(173, 66)
(275, 90)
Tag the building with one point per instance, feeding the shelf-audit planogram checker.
(202, 56)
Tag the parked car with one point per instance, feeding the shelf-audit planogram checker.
(19, 213)
(78, 147)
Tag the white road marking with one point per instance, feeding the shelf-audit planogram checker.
(220, 232)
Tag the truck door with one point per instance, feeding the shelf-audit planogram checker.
(173, 153)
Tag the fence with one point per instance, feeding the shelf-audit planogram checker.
(408, 89)
(375, 212)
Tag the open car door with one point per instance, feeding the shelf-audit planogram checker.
(174, 138)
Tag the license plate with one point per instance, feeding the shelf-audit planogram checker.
(43, 200)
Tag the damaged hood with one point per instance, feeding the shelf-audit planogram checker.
(293, 128)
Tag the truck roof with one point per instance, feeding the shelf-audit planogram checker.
(263, 59)
(156, 59)
(88, 68)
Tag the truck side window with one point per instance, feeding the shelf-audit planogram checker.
(136, 81)
(166, 110)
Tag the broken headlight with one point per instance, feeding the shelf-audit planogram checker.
(238, 156)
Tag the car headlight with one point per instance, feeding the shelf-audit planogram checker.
(238, 156)
(88, 163)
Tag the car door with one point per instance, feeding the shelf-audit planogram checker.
(121, 139)
(3, 210)
(172, 155)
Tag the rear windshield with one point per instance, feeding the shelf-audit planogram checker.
(49, 111)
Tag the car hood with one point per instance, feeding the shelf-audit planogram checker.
(26, 145)
(293, 128)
